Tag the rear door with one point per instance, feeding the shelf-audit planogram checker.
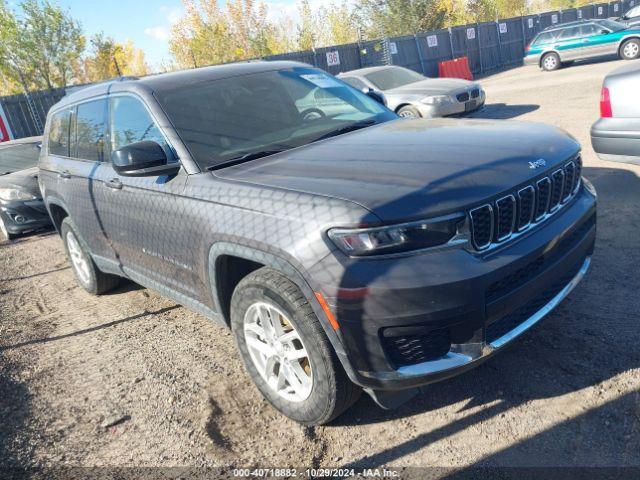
(569, 44)
(75, 158)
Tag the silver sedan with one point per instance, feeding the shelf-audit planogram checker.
(413, 95)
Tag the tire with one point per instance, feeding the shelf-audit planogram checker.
(84, 268)
(630, 50)
(261, 297)
(5, 232)
(550, 62)
(409, 111)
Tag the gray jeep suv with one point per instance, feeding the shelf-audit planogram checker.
(346, 249)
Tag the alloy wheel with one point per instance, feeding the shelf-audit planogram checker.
(3, 229)
(550, 62)
(277, 352)
(631, 50)
(78, 259)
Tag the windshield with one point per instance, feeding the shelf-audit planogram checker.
(18, 157)
(393, 78)
(239, 117)
(613, 26)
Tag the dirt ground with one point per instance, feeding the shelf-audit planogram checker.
(131, 378)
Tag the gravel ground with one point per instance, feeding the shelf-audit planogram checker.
(132, 379)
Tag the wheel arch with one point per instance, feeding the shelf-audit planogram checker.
(402, 105)
(251, 259)
(545, 53)
(58, 212)
(625, 40)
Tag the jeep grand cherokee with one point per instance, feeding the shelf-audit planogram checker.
(346, 248)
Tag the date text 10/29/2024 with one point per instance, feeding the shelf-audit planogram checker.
(315, 473)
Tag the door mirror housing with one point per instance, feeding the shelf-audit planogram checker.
(604, 31)
(376, 95)
(142, 159)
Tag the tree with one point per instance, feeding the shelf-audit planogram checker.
(109, 59)
(384, 18)
(342, 22)
(41, 49)
(207, 34)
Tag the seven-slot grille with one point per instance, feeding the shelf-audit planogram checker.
(497, 221)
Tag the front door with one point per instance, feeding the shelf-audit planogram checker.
(143, 214)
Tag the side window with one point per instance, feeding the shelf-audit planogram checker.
(355, 83)
(59, 133)
(545, 38)
(90, 130)
(130, 122)
(588, 30)
(569, 33)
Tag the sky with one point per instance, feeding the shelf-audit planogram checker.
(146, 22)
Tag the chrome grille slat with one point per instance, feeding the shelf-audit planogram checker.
(495, 223)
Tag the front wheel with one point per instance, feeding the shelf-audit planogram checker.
(285, 350)
(551, 62)
(409, 111)
(630, 50)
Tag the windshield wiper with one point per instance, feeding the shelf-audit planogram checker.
(347, 128)
(244, 158)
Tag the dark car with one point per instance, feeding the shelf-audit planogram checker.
(632, 17)
(21, 205)
(616, 135)
(581, 40)
(344, 249)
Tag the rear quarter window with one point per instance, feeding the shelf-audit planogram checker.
(545, 38)
(58, 143)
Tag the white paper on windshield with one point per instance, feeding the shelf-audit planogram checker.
(322, 81)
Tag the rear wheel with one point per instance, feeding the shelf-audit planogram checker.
(84, 268)
(550, 62)
(630, 49)
(285, 350)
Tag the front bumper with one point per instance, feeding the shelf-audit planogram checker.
(23, 216)
(617, 139)
(452, 108)
(455, 291)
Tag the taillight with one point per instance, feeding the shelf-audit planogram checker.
(527, 48)
(605, 104)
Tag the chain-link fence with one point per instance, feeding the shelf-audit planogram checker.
(490, 46)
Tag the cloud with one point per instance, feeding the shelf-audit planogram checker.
(172, 14)
(159, 32)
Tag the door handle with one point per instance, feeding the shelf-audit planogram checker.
(114, 183)
(64, 174)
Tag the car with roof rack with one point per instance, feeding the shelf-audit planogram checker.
(346, 250)
(582, 40)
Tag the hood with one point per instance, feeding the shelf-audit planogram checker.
(407, 169)
(26, 180)
(433, 86)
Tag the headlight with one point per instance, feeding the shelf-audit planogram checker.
(436, 100)
(12, 194)
(405, 237)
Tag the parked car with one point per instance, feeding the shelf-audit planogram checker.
(21, 205)
(582, 40)
(412, 95)
(616, 136)
(632, 17)
(348, 250)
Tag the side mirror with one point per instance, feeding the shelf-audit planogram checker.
(142, 159)
(604, 32)
(377, 96)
